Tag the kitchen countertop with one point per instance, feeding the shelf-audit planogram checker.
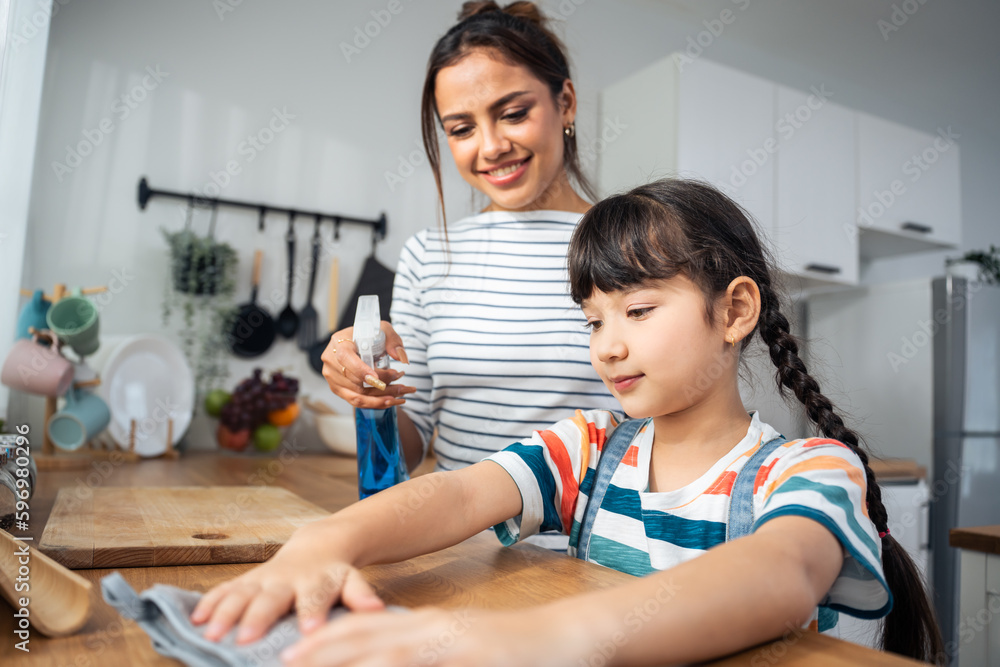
(476, 573)
(897, 470)
(979, 538)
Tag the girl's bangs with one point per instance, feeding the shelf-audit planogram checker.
(624, 241)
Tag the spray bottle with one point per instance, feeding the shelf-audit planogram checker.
(380, 454)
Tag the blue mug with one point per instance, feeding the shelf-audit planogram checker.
(82, 419)
(33, 315)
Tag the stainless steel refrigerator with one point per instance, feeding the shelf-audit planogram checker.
(966, 448)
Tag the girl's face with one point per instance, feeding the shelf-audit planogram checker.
(654, 348)
(505, 131)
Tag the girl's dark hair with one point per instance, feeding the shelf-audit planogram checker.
(671, 227)
(517, 34)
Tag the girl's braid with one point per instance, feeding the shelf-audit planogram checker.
(792, 374)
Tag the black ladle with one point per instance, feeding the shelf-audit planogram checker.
(288, 319)
(252, 332)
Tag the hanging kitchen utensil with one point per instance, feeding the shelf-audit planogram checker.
(316, 351)
(288, 320)
(375, 279)
(307, 318)
(252, 332)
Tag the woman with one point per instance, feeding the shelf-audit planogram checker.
(481, 312)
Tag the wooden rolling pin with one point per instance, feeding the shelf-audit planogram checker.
(59, 598)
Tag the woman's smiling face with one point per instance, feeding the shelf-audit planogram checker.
(505, 130)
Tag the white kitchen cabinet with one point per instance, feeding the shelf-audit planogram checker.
(815, 234)
(829, 188)
(909, 193)
(726, 120)
(703, 120)
(695, 120)
(993, 604)
(978, 635)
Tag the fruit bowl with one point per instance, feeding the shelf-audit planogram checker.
(337, 433)
(256, 411)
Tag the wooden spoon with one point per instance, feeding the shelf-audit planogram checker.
(60, 598)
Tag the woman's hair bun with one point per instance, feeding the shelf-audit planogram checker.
(526, 11)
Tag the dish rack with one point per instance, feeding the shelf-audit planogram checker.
(101, 447)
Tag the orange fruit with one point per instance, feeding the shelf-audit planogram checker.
(284, 416)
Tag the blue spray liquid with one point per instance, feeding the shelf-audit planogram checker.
(380, 459)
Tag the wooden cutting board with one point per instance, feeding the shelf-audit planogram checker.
(142, 527)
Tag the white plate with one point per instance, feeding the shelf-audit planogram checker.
(148, 379)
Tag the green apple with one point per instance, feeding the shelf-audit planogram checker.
(266, 438)
(216, 400)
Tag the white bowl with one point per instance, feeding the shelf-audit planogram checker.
(338, 433)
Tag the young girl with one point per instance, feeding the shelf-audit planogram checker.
(748, 534)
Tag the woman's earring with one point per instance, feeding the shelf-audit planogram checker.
(731, 339)
(570, 130)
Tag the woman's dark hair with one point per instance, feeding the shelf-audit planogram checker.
(671, 227)
(517, 34)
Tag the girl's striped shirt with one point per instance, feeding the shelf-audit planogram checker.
(639, 532)
(497, 348)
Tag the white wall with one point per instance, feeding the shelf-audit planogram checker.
(355, 121)
(886, 396)
(22, 64)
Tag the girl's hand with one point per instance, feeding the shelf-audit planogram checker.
(345, 372)
(298, 576)
(466, 637)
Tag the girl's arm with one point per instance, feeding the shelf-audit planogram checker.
(318, 564)
(423, 515)
(735, 596)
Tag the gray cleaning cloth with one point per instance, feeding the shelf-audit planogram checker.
(163, 612)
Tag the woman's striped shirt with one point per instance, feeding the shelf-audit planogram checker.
(497, 349)
(638, 531)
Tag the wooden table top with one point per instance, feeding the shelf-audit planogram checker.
(978, 538)
(477, 573)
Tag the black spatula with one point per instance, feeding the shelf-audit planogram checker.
(307, 318)
(288, 319)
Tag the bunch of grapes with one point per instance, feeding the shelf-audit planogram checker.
(253, 399)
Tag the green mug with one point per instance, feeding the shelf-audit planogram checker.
(74, 319)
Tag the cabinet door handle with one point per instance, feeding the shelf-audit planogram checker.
(917, 227)
(823, 268)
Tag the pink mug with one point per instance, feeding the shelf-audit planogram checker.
(36, 369)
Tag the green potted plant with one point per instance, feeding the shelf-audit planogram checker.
(986, 262)
(200, 290)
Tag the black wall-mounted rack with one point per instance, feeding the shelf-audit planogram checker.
(379, 226)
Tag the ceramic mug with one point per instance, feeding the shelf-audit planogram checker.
(75, 321)
(33, 315)
(84, 416)
(35, 368)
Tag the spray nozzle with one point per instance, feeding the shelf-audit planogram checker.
(368, 336)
